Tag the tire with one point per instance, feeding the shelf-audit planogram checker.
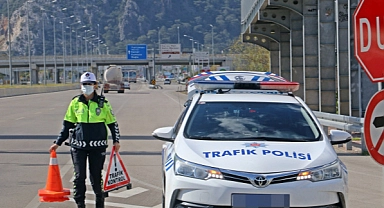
(106, 91)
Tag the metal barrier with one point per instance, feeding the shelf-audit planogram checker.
(345, 123)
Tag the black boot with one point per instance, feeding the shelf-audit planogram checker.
(99, 201)
(80, 205)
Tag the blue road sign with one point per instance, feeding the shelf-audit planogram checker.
(137, 52)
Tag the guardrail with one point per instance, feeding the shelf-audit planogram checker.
(345, 123)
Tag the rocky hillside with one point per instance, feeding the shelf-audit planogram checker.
(117, 23)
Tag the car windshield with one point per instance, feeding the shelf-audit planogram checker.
(264, 121)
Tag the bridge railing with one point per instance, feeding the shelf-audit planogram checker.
(350, 124)
(102, 56)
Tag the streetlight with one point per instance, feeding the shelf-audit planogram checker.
(92, 44)
(81, 51)
(45, 65)
(178, 35)
(29, 45)
(70, 46)
(191, 39)
(54, 47)
(86, 46)
(213, 50)
(56, 74)
(197, 43)
(158, 36)
(9, 45)
(98, 37)
(63, 42)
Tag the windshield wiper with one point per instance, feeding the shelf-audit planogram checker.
(278, 139)
(199, 137)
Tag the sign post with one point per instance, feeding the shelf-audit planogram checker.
(369, 50)
(369, 38)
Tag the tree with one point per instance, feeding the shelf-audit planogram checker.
(248, 56)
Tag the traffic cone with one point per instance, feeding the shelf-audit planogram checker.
(53, 191)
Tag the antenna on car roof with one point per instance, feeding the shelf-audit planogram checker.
(101, 98)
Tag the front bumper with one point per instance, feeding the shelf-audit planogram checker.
(217, 193)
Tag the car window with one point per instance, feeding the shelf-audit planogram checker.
(251, 120)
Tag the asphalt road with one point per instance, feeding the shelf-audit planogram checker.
(29, 124)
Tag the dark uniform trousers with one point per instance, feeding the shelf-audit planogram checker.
(96, 158)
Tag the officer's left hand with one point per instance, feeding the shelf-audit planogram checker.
(117, 146)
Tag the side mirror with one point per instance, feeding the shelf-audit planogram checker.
(339, 137)
(164, 134)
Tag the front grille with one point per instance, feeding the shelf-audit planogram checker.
(245, 177)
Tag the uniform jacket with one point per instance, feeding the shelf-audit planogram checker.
(89, 121)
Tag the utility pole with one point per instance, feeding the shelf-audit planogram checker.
(29, 46)
(9, 45)
(45, 64)
(54, 47)
(63, 42)
(213, 50)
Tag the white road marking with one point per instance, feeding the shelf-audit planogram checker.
(112, 204)
(122, 194)
(20, 118)
(128, 193)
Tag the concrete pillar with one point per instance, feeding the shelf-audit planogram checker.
(35, 74)
(343, 58)
(297, 52)
(327, 55)
(311, 54)
(274, 50)
(285, 48)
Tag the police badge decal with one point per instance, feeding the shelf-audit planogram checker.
(98, 111)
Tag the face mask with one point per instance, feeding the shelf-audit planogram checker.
(87, 89)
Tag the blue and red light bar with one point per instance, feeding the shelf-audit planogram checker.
(247, 85)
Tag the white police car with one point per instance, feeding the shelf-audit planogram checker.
(248, 143)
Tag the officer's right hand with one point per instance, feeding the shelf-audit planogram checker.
(53, 147)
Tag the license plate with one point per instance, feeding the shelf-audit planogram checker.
(260, 201)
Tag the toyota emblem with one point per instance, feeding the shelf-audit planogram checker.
(260, 182)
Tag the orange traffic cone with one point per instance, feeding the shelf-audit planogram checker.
(53, 191)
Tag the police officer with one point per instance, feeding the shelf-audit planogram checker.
(88, 115)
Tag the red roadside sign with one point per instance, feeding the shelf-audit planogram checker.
(116, 176)
(369, 38)
(374, 127)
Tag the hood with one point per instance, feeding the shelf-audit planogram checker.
(256, 156)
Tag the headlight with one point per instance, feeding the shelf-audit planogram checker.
(331, 171)
(188, 169)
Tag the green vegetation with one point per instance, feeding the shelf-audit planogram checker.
(249, 57)
(119, 23)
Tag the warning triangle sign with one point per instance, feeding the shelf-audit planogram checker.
(117, 176)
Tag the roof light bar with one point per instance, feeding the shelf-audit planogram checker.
(234, 75)
(247, 85)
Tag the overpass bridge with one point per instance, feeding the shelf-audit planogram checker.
(80, 63)
(311, 42)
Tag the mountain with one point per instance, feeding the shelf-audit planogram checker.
(116, 23)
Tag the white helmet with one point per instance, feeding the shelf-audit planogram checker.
(88, 77)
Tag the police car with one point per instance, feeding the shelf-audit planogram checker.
(244, 140)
